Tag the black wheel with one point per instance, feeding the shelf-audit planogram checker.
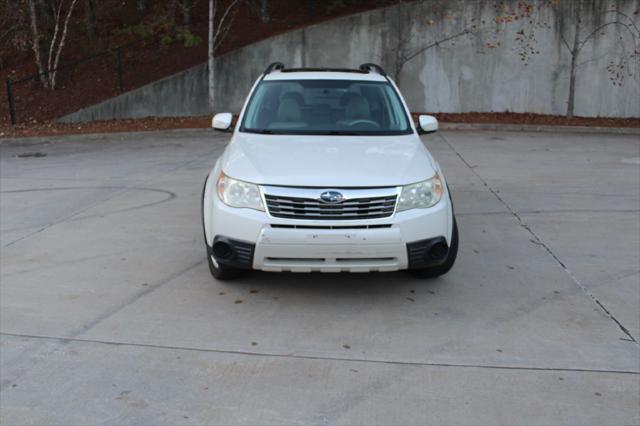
(436, 271)
(219, 272)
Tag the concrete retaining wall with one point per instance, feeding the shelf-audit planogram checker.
(482, 72)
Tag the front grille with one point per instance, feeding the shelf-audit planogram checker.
(311, 209)
(331, 227)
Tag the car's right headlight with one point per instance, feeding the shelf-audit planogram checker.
(237, 193)
(421, 195)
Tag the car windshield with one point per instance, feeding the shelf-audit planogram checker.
(321, 107)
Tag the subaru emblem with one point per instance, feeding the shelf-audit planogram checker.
(331, 197)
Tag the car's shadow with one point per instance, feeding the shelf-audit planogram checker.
(346, 285)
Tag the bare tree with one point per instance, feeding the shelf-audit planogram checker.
(90, 19)
(56, 43)
(406, 47)
(35, 41)
(404, 54)
(58, 40)
(261, 8)
(46, 13)
(220, 20)
(6, 32)
(617, 68)
(14, 30)
(185, 7)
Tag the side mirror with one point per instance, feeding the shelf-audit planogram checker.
(222, 121)
(427, 124)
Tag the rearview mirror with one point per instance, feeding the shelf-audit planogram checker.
(427, 124)
(222, 121)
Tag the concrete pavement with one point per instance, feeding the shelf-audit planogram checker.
(108, 313)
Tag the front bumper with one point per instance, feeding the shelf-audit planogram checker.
(386, 244)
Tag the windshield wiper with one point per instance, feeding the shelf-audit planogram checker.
(308, 133)
(261, 131)
(344, 133)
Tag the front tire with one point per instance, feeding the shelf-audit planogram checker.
(436, 271)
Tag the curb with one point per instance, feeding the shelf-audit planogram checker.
(75, 137)
(539, 128)
(34, 140)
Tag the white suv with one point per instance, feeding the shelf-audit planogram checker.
(326, 172)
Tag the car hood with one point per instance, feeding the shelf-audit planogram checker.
(327, 161)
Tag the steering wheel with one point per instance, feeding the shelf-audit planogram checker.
(363, 121)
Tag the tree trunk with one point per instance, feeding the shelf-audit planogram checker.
(572, 85)
(400, 46)
(217, 33)
(397, 72)
(52, 45)
(264, 11)
(141, 5)
(46, 12)
(53, 69)
(36, 41)
(90, 19)
(211, 60)
(186, 14)
(575, 51)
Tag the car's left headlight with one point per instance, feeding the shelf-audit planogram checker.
(421, 195)
(237, 193)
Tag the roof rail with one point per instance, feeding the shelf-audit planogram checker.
(273, 67)
(373, 67)
(323, 70)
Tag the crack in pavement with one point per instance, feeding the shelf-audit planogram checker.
(106, 315)
(67, 217)
(113, 254)
(137, 296)
(84, 328)
(532, 212)
(578, 193)
(67, 340)
(539, 241)
(169, 197)
(111, 196)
